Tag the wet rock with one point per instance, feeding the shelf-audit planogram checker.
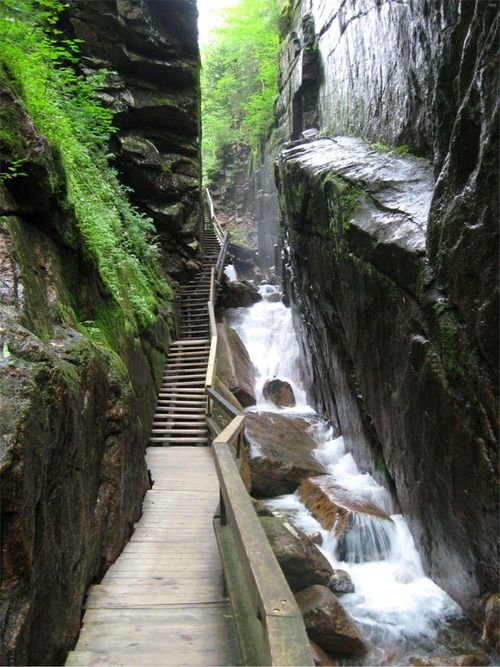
(240, 294)
(408, 384)
(327, 623)
(341, 583)
(330, 503)
(279, 392)
(321, 658)
(234, 366)
(75, 415)
(152, 54)
(302, 563)
(281, 453)
(363, 529)
(30, 191)
(491, 623)
(469, 660)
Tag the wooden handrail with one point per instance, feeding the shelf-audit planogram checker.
(213, 218)
(268, 621)
(221, 260)
(223, 403)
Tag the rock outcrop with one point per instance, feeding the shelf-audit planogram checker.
(150, 49)
(234, 367)
(77, 406)
(281, 453)
(389, 353)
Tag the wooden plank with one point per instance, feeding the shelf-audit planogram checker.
(161, 602)
(189, 343)
(212, 362)
(170, 376)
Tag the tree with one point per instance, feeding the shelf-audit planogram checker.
(239, 79)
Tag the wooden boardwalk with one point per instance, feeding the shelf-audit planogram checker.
(162, 601)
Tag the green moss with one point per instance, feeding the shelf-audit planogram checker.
(450, 344)
(342, 198)
(401, 150)
(65, 109)
(287, 17)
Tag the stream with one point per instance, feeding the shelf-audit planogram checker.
(399, 611)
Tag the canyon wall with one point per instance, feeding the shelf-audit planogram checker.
(400, 329)
(151, 52)
(78, 380)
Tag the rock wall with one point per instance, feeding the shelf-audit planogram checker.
(150, 49)
(75, 414)
(401, 329)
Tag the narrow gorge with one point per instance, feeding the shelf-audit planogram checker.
(356, 191)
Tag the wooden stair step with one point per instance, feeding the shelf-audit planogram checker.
(185, 440)
(186, 378)
(180, 411)
(188, 343)
(180, 424)
(179, 431)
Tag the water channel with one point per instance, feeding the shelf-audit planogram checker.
(400, 612)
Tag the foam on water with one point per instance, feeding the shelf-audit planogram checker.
(267, 332)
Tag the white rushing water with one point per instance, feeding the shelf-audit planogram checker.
(397, 608)
(267, 333)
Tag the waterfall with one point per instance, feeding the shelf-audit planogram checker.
(266, 332)
(399, 610)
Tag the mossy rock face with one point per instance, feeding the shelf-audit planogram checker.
(78, 389)
(389, 354)
(70, 459)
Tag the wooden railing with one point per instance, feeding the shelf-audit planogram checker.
(213, 218)
(221, 260)
(268, 621)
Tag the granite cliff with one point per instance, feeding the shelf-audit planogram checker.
(391, 262)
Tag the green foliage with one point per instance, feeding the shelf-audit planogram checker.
(239, 79)
(42, 69)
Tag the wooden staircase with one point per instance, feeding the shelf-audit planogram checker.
(180, 412)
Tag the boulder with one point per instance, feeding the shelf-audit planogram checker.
(279, 392)
(327, 622)
(240, 294)
(320, 657)
(361, 526)
(341, 583)
(281, 453)
(331, 503)
(301, 561)
(234, 367)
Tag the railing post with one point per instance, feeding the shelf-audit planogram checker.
(222, 509)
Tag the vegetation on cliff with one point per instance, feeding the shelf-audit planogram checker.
(238, 80)
(41, 66)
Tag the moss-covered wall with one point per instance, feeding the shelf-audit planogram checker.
(84, 333)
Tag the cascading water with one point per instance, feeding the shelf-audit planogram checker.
(399, 610)
(266, 332)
